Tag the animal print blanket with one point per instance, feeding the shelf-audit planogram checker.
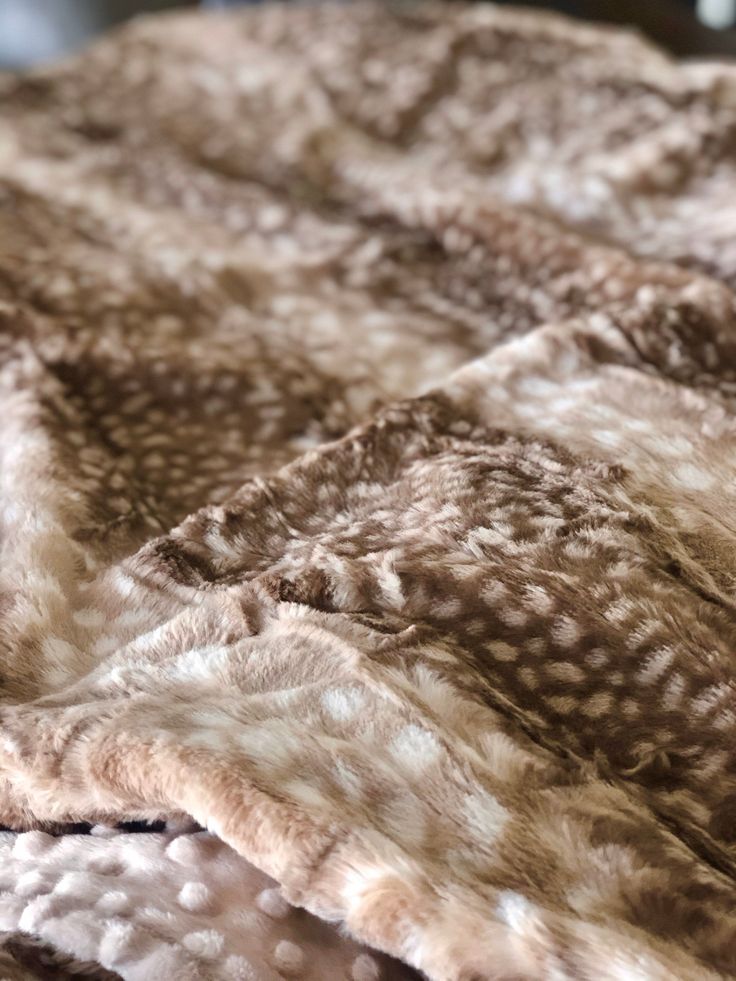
(367, 478)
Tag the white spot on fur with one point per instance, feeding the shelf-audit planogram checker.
(513, 616)
(539, 599)
(59, 651)
(493, 592)
(528, 677)
(607, 437)
(348, 780)
(502, 651)
(270, 745)
(562, 704)
(673, 692)
(305, 793)
(343, 704)
(656, 665)
(415, 746)
(597, 705)
(486, 816)
(390, 585)
(565, 631)
(710, 698)
(514, 910)
(404, 818)
(90, 617)
(565, 671)
(123, 584)
(693, 478)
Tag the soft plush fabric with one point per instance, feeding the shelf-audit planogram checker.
(367, 477)
(170, 906)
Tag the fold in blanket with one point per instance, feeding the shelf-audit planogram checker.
(367, 471)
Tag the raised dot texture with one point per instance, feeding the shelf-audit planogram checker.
(32, 844)
(33, 883)
(288, 957)
(273, 903)
(195, 896)
(79, 884)
(205, 943)
(103, 831)
(105, 865)
(365, 968)
(114, 903)
(185, 850)
(37, 912)
(121, 940)
(237, 968)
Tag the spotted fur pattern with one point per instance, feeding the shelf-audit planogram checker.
(366, 472)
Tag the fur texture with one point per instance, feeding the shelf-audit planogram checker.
(367, 477)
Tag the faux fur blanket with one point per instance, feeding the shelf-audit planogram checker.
(368, 488)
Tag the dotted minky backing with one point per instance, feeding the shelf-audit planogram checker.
(167, 905)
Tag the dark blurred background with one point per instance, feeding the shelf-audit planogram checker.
(32, 31)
